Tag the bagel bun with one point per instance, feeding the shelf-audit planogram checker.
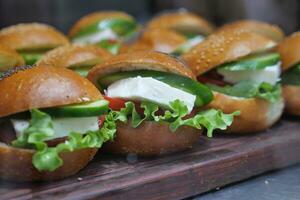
(223, 47)
(151, 139)
(163, 40)
(256, 114)
(25, 88)
(268, 30)
(142, 60)
(31, 37)
(95, 17)
(9, 58)
(289, 50)
(74, 55)
(16, 164)
(181, 21)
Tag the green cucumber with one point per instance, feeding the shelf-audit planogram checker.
(122, 27)
(252, 62)
(187, 45)
(203, 93)
(82, 71)
(31, 58)
(291, 76)
(90, 109)
(112, 47)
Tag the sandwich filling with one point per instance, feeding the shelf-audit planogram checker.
(50, 131)
(255, 76)
(291, 76)
(107, 33)
(146, 95)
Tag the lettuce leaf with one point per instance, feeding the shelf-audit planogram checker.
(249, 89)
(41, 129)
(210, 119)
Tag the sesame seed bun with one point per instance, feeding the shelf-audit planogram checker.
(223, 47)
(268, 30)
(181, 21)
(32, 36)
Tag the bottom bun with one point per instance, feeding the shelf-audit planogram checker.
(291, 96)
(152, 139)
(16, 164)
(256, 114)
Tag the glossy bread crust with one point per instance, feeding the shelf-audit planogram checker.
(181, 21)
(224, 47)
(95, 17)
(9, 58)
(289, 50)
(25, 88)
(32, 36)
(256, 114)
(74, 55)
(291, 94)
(16, 164)
(139, 61)
(269, 30)
(152, 139)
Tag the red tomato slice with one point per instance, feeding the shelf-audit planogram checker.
(101, 119)
(203, 79)
(115, 103)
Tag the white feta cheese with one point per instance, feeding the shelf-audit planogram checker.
(62, 126)
(149, 89)
(96, 37)
(269, 74)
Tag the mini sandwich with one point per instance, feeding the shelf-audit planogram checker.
(9, 59)
(80, 58)
(268, 30)
(192, 26)
(106, 29)
(32, 40)
(154, 100)
(243, 71)
(289, 50)
(162, 40)
(49, 120)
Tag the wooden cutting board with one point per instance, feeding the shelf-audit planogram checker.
(213, 163)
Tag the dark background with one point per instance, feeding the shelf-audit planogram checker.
(63, 13)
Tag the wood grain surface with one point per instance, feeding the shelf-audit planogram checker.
(213, 163)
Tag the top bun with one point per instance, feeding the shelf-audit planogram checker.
(74, 55)
(268, 30)
(149, 60)
(223, 47)
(32, 36)
(181, 21)
(25, 88)
(9, 58)
(289, 50)
(95, 17)
(163, 40)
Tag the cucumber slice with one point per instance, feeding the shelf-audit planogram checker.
(203, 93)
(253, 62)
(112, 47)
(90, 109)
(291, 76)
(82, 71)
(122, 27)
(187, 45)
(31, 58)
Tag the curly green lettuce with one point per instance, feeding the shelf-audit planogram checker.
(41, 129)
(210, 119)
(249, 89)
